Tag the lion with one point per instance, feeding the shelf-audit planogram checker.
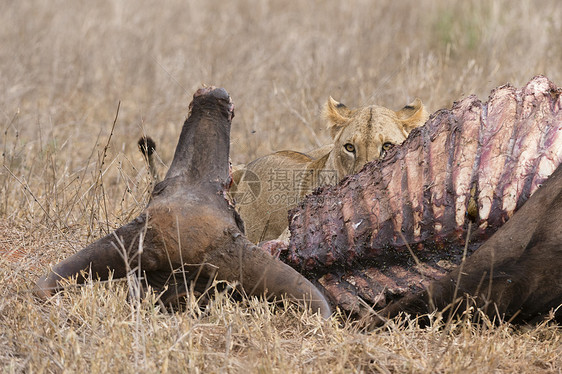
(267, 188)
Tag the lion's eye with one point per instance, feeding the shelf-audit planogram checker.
(349, 147)
(387, 146)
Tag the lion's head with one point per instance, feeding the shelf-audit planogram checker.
(365, 134)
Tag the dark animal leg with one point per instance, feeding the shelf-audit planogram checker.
(189, 222)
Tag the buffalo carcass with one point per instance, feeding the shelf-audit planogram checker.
(402, 222)
(515, 275)
(190, 225)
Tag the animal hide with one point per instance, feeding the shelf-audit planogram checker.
(403, 221)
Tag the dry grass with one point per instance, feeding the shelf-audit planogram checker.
(65, 66)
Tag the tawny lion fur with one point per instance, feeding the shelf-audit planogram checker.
(266, 188)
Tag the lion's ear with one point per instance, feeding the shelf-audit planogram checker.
(412, 115)
(338, 116)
